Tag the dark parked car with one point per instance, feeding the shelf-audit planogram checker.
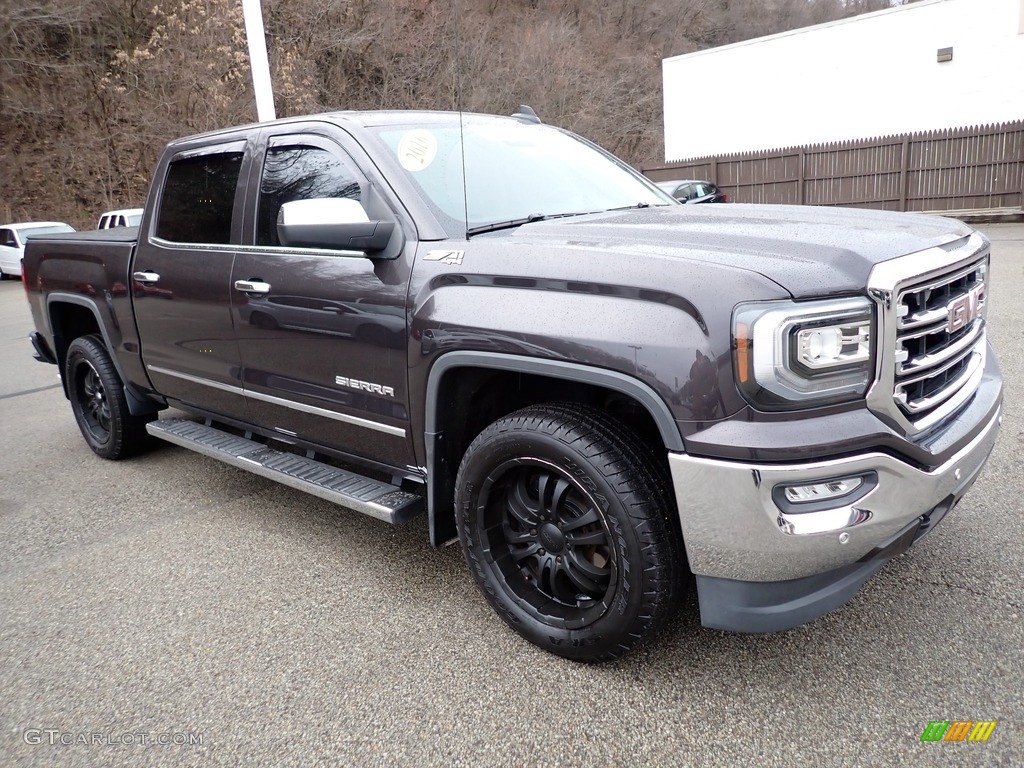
(693, 191)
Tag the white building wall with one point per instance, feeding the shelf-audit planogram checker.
(872, 75)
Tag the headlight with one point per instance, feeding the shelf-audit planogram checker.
(796, 354)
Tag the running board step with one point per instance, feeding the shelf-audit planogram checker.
(347, 489)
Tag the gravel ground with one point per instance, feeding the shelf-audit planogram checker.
(172, 598)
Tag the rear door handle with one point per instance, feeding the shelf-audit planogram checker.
(252, 286)
(146, 277)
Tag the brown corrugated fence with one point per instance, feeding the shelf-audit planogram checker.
(967, 169)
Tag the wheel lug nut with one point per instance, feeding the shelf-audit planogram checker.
(533, 531)
(541, 552)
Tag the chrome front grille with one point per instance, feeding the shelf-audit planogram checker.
(939, 326)
(932, 340)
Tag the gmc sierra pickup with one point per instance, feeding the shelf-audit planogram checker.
(595, 390)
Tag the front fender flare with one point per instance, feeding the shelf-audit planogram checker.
(558, 369)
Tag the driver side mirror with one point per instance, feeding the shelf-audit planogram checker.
(331, 222)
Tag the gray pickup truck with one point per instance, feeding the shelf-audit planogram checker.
(600, 393)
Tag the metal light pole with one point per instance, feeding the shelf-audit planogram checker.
(258, 60)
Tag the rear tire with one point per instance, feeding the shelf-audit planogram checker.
(99, 404)
(566, 530)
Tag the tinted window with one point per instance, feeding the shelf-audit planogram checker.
(299, 173)
(7, 238)
(199, 195)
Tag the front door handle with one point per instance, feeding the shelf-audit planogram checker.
(252, 286)
(146, 277)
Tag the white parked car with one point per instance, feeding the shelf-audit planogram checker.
(128, 217)
(12, 242)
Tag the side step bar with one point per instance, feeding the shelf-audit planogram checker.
(347, 489)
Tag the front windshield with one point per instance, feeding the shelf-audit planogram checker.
(514, 170)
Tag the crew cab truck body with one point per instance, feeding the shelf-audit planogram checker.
(597, 391)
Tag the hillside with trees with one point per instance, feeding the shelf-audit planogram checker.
(92, 91)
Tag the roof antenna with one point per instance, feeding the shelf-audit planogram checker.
(458, 106)
(526, 114)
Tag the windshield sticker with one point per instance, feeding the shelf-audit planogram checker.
(417, 150)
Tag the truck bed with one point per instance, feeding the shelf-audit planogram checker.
(90, 271)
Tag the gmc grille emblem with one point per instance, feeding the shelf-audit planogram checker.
(963, 310)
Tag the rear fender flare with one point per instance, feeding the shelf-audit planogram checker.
(138, 405)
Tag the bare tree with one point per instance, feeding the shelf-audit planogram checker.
(90, 92)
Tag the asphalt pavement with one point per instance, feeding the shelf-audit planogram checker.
(170, 610)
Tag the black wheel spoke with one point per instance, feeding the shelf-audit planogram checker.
(587, 538)
(89, 384)
(521, 505)
(589, 517)
(92, 400)
(514, 537)
(522, 553)
(587, 568)
(551, 492)
(549, 577)
(589, 586)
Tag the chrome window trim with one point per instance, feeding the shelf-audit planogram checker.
(174, 245)
(299, 251)
(269, 249)
(273, 400)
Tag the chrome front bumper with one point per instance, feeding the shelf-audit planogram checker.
(734, 529)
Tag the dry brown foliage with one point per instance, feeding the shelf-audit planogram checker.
(90, 92)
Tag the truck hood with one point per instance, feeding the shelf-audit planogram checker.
(809, 251)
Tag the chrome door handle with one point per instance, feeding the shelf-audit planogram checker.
(146, 277)
(252, 286)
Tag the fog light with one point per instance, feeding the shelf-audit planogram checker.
(825, 493)
(800, 494)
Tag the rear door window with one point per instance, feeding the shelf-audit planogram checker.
(199, 197)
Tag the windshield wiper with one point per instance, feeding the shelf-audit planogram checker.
(630, 207)
(497, 226)
(513, 223)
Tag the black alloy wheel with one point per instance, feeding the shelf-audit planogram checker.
(99, 402)
(563, 516)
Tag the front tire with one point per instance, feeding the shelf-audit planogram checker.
(98, 401)
(564, 526)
